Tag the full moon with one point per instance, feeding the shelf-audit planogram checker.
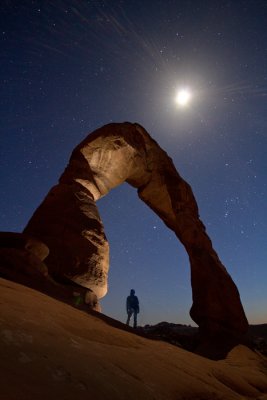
(183, 97)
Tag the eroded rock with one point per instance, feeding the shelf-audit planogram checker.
(22, 241)
(69, 223)
(21, 260)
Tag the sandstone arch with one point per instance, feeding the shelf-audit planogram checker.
(68, 221)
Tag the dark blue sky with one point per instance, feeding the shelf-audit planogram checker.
(68, 67)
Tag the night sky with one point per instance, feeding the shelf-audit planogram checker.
(70, 66)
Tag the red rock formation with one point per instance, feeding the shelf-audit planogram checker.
(22, 255)
(69, 223)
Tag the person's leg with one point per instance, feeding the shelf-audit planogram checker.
(129, 317)
(135, 319)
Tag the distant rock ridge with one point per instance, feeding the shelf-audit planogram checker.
(187, 336)
(69, 223)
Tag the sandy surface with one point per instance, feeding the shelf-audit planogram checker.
(50, 350)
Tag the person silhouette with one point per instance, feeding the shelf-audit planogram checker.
(132, 307)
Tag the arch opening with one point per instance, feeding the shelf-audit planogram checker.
(145, 255)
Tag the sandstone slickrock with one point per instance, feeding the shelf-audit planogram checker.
(50, 350)
(68, 221)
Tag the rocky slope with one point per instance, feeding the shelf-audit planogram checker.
(51, 350)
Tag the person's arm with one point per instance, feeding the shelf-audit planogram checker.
(137, 308)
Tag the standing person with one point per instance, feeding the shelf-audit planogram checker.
(132, 307)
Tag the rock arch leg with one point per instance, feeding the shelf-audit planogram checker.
(69, 223)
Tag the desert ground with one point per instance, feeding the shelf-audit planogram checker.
(51, 350)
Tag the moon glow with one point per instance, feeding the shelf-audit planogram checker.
(183, 97)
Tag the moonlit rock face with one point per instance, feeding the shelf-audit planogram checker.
(69, 223)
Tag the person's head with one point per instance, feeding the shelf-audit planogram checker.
(132, 292)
